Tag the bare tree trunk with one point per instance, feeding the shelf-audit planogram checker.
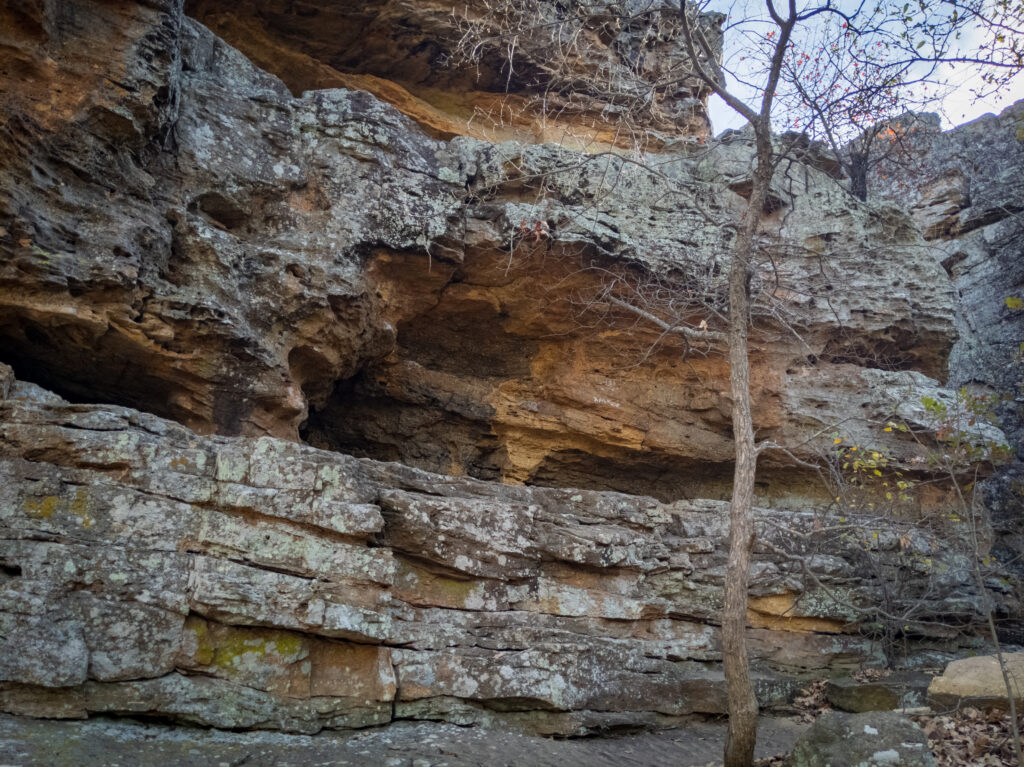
(743, 709)
(858, 170)
(970, 513)
(739, 746)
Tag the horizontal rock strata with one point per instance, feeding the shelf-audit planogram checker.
(230, 295)
(255, 583)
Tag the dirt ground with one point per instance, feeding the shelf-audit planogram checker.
(123, 743)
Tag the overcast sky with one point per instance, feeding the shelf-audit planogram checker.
(956, 109)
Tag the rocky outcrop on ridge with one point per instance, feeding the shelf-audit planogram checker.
(963, 190)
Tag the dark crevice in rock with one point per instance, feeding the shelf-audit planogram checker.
(360, 420)
(44, 366)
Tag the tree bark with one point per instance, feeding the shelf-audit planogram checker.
(858, 170)
(743, 708)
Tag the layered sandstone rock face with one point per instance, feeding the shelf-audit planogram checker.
(239, 264)
(244, 261)
(256, 583)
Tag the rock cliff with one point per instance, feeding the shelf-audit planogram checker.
(970, 211)
(247, 289)
(256, 583)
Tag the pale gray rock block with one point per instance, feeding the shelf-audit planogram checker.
(876, 739)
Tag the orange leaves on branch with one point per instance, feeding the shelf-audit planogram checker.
(539, 231)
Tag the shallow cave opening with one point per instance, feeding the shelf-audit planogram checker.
(44, 357)
(492, 378)
(667, 478)
(892, 350)
(362, 420)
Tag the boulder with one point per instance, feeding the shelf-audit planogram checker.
(876, 739)
(978, 682)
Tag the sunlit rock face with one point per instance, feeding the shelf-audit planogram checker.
(506, 365)
(276, 286)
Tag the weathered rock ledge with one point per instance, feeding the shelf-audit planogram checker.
(256, 583)
(190, 239)
(579, 71)
(214, 267)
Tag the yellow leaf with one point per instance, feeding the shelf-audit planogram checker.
(837, 440)
(887, 428)
(878, 473)
(1014, 303)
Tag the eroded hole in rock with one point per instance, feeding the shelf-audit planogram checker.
(360, 420)
(222, 210)
(891, 351)
(43, 354)
(312, 370)
(666, 477)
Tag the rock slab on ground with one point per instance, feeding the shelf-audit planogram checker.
(904, 689)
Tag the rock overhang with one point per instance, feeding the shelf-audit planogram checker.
(324, 250)
(250, 260)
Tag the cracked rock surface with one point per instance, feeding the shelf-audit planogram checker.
(255, 583)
